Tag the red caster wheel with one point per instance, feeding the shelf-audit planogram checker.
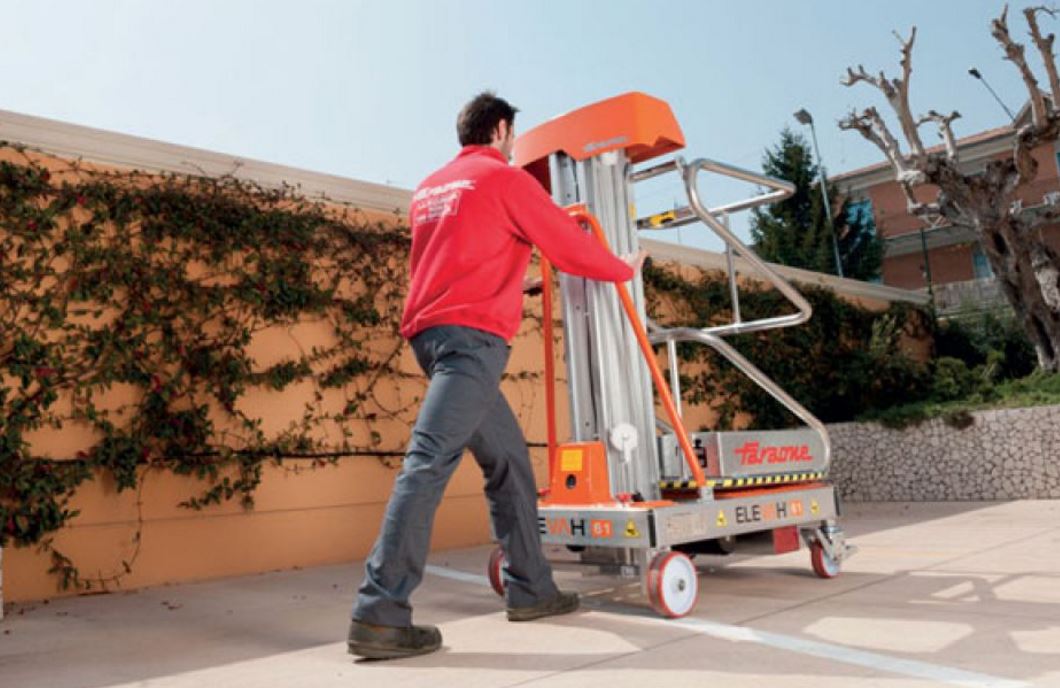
(673, 584)
(495, 571)
(824, 565)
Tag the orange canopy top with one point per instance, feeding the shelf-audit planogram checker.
(635, 122)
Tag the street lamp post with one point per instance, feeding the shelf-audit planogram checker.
(805, 117)
(975, 74)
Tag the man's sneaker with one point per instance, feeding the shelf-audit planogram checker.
(562, 603)
(391, 642)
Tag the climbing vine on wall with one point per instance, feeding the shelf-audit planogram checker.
(154, 286)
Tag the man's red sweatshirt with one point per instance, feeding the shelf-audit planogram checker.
(473, 223)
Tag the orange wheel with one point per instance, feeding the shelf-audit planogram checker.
(673, 584)
(496, 571)
(823, 565)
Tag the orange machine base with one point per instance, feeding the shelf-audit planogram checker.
(579, 475)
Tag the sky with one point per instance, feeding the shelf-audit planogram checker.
(370, 90)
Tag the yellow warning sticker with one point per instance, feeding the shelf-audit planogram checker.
(721, 521)
(570, 460)
(815, 508)
(664, 218)
(631, 529)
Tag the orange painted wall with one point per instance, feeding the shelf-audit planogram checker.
(303, 515)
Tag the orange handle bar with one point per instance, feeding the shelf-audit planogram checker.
(550, 362)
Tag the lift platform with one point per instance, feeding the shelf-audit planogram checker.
(632, 491)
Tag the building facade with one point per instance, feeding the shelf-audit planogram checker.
(943, 258)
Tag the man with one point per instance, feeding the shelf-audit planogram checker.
(473, 224)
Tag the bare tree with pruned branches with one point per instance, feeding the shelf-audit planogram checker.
(1027, 269)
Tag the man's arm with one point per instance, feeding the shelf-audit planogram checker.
(559, 237)
(533, 285)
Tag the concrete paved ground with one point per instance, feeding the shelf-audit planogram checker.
(939, 594)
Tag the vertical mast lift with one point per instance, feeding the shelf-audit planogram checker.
(631, 491)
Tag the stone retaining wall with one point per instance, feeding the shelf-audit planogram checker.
(1004, 454)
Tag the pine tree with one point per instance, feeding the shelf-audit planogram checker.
(795, 231)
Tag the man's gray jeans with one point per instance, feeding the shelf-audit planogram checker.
(463, 408)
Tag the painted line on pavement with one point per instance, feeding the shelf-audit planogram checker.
(443, 572)
(847, 655)
(814, 648)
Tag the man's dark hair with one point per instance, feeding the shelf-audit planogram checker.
(478, 119)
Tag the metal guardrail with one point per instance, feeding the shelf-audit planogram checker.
(696, 211)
